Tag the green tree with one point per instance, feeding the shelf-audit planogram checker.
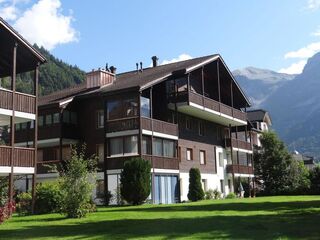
(195, 188)
(272, 164)
(77, 184)
(315, 180)
(299, 182)
(135, 181)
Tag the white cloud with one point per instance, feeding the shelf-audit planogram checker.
(181, 57)
(316, 33)
(42, 23)
(313, 4)
(8, 13)
(304, 52)
(295, 68)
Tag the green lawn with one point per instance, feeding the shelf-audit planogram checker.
(296, 217)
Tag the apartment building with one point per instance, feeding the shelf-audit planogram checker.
(177, 116)
(17, 56)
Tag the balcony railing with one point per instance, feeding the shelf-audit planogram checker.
(236, 143)
(124, 124)
(23, 157)
(241, 169)
(209, 103)
(162, 162)
(24, 102)
(159, 126)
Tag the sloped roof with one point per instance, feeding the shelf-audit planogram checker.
(259, 115)
(137, 79)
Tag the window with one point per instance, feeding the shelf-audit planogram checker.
(168, 148)
(48, 119)
(31, 124)
(56, 118)
(220, 159)
(157, 147)
(145, 106)
(100, 152)
(100, 189)
(40, 121)
(222, 186)
(229, 185)
(24, 125)
(100, 119)
(130, 106)
(120, 146)
(202, 156)
(74, 118)
(204, 184)
(131, 144)
(66, 116)
(188, 123)
(201, 128)
(18, 127)
(122, 107)
(116, 146)
(189, 154)
(146, 145)
(114, 108)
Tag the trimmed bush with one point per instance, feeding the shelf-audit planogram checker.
(135, 181)
(195, 188)
(24, 203)
(209, 195)
(48, 197)
(231, 196)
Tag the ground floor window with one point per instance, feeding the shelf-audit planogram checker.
(222, 186)
(204, 183)
(166, 189)
(100, 189)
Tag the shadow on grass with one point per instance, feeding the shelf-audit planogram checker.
(216, 206)
(222, 227)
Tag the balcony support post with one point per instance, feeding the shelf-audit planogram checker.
(35, 142)
(12, 119)
(140, 126)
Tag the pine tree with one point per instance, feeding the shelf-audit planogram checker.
(196, 192)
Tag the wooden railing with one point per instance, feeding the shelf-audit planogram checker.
(216, 106)
(118, 125)
(23, 157)
(159, 126)
(242, 169)
(236, 143)
(24, 102)
(162, 162)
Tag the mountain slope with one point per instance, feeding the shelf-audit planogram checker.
(259, 84)
(295, 109)
(54, 75)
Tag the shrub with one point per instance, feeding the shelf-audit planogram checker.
(315, 180)
(216, 194)
(195, 188)
(6, 211)
(231, 196)
(209, 194)
(48, 197)
(135, 181)
(77, 184)
(24, 203)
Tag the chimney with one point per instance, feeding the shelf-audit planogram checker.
(154, 61)
(141, 69)
(137, 66)
(100, 77)
(113, 69)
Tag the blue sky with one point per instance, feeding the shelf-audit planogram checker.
(277, 35)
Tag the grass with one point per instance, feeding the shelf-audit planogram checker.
(294, 217)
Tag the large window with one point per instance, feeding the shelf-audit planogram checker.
(56, 118)
(146, 145)
(145, 106)
(100, 119)
(121, 146)
(48, 119)
(164, 147)
(122, 107)
(40, 121)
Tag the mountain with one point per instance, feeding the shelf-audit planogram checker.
(259, 84)
(54, 75)
(295, 109)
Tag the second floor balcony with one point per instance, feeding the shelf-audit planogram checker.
(238, 144)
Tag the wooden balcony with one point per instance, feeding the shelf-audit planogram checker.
(23, 157)
(209, 109)
(158, 162)
(124, 124)
(240, 169)
(159, 126)
(236, 143)
(24, 102)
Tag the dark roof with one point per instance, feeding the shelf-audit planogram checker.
(27, 55)
(136, 79)
(257, 115)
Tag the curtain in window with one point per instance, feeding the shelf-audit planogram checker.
(168, 148)
(157, 147)
(131, 144)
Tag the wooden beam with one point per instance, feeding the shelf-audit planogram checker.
(218, 74)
